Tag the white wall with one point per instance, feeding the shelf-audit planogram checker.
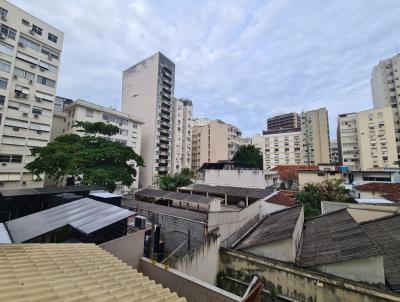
(268, 208)
(236, 178)
(278, 250)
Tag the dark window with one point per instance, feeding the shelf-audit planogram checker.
(8, 31)
(25, 22)
(8, 158)
(36, 29)
(2, 100)
(3, 13)
(52, 38)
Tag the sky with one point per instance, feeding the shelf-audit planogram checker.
(240, 61)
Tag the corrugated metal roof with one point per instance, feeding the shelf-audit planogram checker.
(148, 192)
(85, 214)
(4, 236)
(49, 190)
(72, 272)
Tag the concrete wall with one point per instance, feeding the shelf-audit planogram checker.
(278, 250)
(299, 284)
(128, 248)
(236, 178)
(192, 289)
(306, 177)
(369, 270)
(203, 262)
(361, 215)
(268, 208)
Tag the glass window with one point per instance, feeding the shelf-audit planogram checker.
(6, 49)
(52, 38)
(10, 158)
(114, 118)
(3, 83)
(2, 100)
(49, 67)
(123, 132)
(50, 53)
(28, 43)
(27, 58)
(25, 22)
(24, 74)
(3, 12)
(89, 112)
(46, 81)
(5, 65)
(36, 110)
(8, 31)
(36, 29)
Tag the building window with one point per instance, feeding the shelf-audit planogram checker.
(123, 132)
(36, 110)
(10, 158)
(46, 81)
(28, 43)
(36, 29)
(25, 22)
(3, 83)
(89, 112)
(52, 38)
(8, 31)
(2, 100)
(26, 58)
(6, 49)
(24, 74)
(5, 65)
(3, 13)
(48, 67)
(50, 53)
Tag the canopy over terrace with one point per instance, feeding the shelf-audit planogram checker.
(231, 195)
(199, 202)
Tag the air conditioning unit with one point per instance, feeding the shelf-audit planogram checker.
(30, 81)
(33, 66)
(39, 100)
(24, 96)
(41, 69)
(24, 182)
(25, 114)
(3, 164)
(39, 131)
(50, 57)
(36, 115)
(140, 222)
(1, 183)
(15, 76)
(21, 44)
(15, 129)
(32, 32)
(2, 36)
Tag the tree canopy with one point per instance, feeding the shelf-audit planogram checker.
(329, 190)
(248, 156)
(171, 182)
(93, 157)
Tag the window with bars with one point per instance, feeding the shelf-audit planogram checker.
(52, 38)
(10, 158)
(28, 43)
(37, 30)
(8, 31)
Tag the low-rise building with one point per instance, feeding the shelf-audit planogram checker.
(325, 172)
(388, 191)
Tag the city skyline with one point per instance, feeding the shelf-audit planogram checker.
(241, 63)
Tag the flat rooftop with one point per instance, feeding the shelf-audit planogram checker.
(46, 191)
(231, 191)
(148, 192)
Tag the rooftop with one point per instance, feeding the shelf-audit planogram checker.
(48, 191)
(85, 215)
(384, 233)
(72, 272)
(282, 199)
(148, 192)
(380, 187)
(233, 191)
(289, 172)
(334, 237)
(278, 226)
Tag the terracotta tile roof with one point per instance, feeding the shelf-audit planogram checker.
(72, 272)
(392, 196)
(380, 187)
(281, 199)
(290, 172)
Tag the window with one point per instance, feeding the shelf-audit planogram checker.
(46, 81)
(52, 38)
(2, 100)
(114, 118)
(36, 29)
(24, 74)
(3, 12)
(3, 83)
(49, 67)
(5, 65)
(50, 53)
(10, 158)
(6, 49)
(28, 43)
(25, 22)
(89, 112)
(36, 110)
(8, 31)
(123, 132)
(29, 59)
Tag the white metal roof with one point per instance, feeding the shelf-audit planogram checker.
(4, 236)
(373, 200)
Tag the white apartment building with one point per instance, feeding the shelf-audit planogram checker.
(130, 127)
(30, 51)
(181, 135)
(148, 93)
(334, 151)
(385, 86)
(214, 140)
(367, 139)
(315, 137)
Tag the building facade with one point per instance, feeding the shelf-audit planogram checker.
(30, 51)
(181, 135)
(60, 103)
(214, 140)
(367, 139)
(385, 86)
(282, 122)
(315, 137)
(148, 93)
(130, 127)
(334, 151)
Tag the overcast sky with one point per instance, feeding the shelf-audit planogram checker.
(239, 61)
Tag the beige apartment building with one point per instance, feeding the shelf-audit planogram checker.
(30, 51)
(315, 137)
(214, 140)
(281, 122)
(367, 139)
(385, 86)
(148, 93)
(130, 127)
(181, 135)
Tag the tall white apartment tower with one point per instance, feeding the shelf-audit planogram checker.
(30, 51)
(181, 135)
(148, 93)
(385, 86)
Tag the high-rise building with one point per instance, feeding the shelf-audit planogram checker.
(334, 151)
(60, 103)
(283, 122)
(385, 86)
(30, 51)
(214, 140)
(367, 139)
(130, 127)
(315, 137)
(148, 93)
(181, 135)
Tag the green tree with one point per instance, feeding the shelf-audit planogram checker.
(171, 182)
(93, 157)
(329, 190)
(248, 156)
